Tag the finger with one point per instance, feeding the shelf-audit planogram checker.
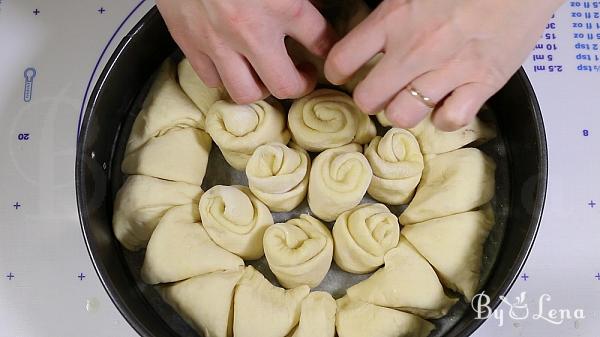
(205, 68)
(354, 50)
(279, 74)
(406, 110)
(238, 77)
(462, 106)
(312, 31)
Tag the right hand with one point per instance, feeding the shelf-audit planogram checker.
(240, 43)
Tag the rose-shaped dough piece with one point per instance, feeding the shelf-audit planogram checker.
(140, 204)
(363, 236)
(407, 283)
(261, 309)
(328, 119)
(317, 316)
(453, 182)
(382, 119)
(454, 247)
(239, 129)
(180, 248)
(397, 165)
(359, 319)
(299, 251)
(278, 175)
(166, 107)
(434, 141)
(178, 155)
(235, 219)
(205, 301)
(338, 181)
(202, 96)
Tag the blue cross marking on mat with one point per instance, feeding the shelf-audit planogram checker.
(525, 277)
(81, 276)
(10, 276)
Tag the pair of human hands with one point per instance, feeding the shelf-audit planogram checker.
(456, 53)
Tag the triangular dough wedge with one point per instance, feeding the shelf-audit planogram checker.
(406, 282)
(434, 141)
(178, 155)
(166, 107)
(180, 248)
(141, 203)
(452, 183)
(359, 319)
(261, 309)
(205, 301)
(317, 316)
(454, 246)
(202, 96)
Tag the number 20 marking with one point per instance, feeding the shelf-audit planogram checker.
(23, 136)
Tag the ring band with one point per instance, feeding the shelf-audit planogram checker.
(418, 95)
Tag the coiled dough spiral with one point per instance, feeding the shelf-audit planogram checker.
(397, 165)
(363, 236)
(328, 119)
(299, 251)
(278, 175)
(338, 181)
(239, 129)
(235, 219)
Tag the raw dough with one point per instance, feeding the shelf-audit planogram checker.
(239, 129)
(203, 96)
(140, 204)
(299, 251)
(317, 316)
(453, 182)
(181, 154)
(434, 141)
(205, 301)
(382, 119)
(407, 283)
(278, 175)
(359, 319)
(166, 107)
(261, 309)
(180, 248)
(235, 219)
(363, 236)
(338, 181)
(397, 165)
(454, 247)
(327, 119)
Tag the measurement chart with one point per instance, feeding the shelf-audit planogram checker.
(52, 55)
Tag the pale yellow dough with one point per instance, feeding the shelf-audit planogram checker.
(178, 155)
(239, 129)
(453, 182)
(140, 204)
(397, 165)
(328, 118)
(317, 316)
(359, 319)
(235, 219)
(166, 107)
(338, 181)
(454, 247)
(261, 309)
(363, 236)
(278, 175)
(180, 248)
(202, 96)
(205, 301)
(407, 283)
(434, 141)
(299, 251)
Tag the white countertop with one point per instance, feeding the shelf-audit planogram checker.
(48, 286)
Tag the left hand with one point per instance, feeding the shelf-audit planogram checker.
(458, 53)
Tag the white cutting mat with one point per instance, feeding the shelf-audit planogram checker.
(48, 287)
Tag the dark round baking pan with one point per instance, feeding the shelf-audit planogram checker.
(519, 150)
